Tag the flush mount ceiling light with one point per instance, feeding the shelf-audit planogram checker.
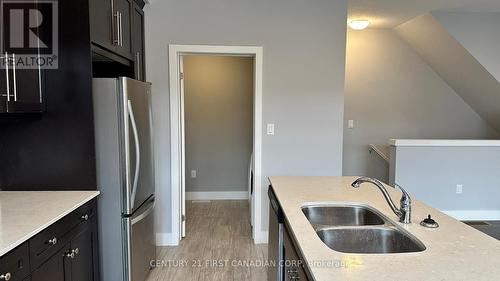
(358, 24)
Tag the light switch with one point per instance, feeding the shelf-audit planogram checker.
(350, 124)
(270, 129)
(460, 189)
(193, 174)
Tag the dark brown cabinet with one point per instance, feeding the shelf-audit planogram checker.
(123, 11)
(65, 251)
(21, 87)
(294, 265)
(83, 247)
(53, 269)
(14, 266)
(112, 26)
(138, 42)
(102, 22)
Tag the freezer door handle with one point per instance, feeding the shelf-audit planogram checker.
(144, 214)
(137, 152)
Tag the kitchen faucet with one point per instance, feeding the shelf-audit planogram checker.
(404, 212)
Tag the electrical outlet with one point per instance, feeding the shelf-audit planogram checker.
(193, 174)
(459, 189)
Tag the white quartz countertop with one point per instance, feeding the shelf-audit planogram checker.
(23, 214)
(454, 251)
(438, 142)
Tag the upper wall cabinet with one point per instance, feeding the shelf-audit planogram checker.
(102, 20)
(111, 25)
(22, 60)
(117, 33)
(138, 42)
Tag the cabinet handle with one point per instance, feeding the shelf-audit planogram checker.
(293, 274)
(138, 65)
(6, 276)
(72, 253)
(52, 241)
(121, 30)
(85, 217)
(14, 80)
(7, 75)
(116, 31)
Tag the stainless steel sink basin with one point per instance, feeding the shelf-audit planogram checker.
(369, 240)
(319, 215)
(359, 229)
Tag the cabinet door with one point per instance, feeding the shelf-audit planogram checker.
(20, 78)
(138, 42)
(294, 266)
(83, 262)
(124, 8)
(15, 264)
(54, 269)
(101, 23)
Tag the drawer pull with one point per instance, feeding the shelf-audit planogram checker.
(52, 241)
(6, 276)
(293, 274)
(72, 253)
(85, 217)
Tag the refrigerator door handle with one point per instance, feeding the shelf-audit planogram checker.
(137, 152)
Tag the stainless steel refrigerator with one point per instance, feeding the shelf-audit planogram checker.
(125, 177)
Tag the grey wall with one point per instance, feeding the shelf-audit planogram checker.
(431, 174)
(218, 102)
(392, 93)
(303, 80)
(455, 65)
(478, 32)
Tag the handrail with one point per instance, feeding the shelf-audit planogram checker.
(380, 152)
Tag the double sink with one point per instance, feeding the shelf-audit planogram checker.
(359, 229)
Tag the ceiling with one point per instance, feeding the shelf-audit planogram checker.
(391, 13)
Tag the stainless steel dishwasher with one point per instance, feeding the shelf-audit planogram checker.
(276, 232)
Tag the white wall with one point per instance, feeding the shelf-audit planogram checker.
(303, 81)
(218, 108)
(392, 93)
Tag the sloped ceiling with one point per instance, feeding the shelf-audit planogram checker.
(391, 13)
(455, 64)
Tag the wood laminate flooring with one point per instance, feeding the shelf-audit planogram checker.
(218, 246)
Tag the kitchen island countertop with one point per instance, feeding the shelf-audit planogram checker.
(454, 251)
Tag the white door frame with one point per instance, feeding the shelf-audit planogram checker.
(175, 51)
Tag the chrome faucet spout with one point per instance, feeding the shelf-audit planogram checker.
(404, 212)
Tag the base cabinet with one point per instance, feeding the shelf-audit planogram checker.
(53, 269)
(294, 266)
(65, 251)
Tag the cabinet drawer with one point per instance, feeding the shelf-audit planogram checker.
(16, 263)
(53, 238)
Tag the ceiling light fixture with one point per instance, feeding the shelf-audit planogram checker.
(358, 24)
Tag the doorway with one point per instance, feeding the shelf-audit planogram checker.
(186, 164)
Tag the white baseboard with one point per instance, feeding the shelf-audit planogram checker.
(217, 195)
(166, 239)
(261, 237)
(474, 215)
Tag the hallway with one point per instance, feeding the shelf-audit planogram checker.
(218, 246)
